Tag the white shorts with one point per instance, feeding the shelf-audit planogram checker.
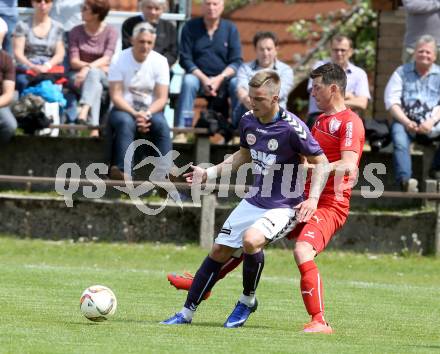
(273, 223)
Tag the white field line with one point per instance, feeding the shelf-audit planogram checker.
(272, 279)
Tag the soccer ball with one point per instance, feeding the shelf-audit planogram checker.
(98, 303)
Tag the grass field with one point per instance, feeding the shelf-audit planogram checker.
(376, 304)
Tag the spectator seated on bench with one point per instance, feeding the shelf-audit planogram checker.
(38, 46)
(266, 48)
(139, 81)
(412, 98)
(166, 34)
(91, 47)
(357, 92)
(8, 124)
(210, 54)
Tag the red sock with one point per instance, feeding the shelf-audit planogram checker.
(229, 266)
(311, 290)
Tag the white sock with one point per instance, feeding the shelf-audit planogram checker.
(247, 300)
(187, 313)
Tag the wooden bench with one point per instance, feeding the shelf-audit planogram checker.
(202, 142)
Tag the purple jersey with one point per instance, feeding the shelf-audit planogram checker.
(275, 149)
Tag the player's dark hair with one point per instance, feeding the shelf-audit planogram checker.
(331, 74)
(269, 78)
(264, 35)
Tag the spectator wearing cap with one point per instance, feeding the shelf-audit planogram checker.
(91, 47)
(166, 34)
(139, 80)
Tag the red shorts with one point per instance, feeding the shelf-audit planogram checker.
(319, 230)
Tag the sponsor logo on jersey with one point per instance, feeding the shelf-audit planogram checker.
(334, 125)
(272, 145)
(262, 131)
(251, 139)
(262, 160)
(349, 134)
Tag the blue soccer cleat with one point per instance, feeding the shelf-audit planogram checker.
(239, 315)
(177, 319)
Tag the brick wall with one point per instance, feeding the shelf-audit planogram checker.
(391, 29)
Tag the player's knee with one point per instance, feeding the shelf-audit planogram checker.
(221, 253)
(252, 242)
(303, 252)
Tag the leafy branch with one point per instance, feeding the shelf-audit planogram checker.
(359, 24)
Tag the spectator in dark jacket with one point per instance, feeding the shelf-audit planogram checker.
(210, 53)
(166, 35)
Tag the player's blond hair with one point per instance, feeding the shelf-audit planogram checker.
(268, 78)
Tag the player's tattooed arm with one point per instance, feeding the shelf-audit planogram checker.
(347, 165)
(319, 178)
(320, 173)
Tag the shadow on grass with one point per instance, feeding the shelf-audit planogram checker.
(421, 346)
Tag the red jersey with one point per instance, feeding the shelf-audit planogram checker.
(343, 131)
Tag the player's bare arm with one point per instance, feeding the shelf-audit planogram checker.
(347, 164)
(320, 174)
(201, 175)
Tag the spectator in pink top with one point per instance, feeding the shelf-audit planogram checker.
(91, 46)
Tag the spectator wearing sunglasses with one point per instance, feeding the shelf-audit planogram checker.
(357, 92)
(91, 47)
(38, 44)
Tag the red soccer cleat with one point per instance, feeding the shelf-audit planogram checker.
(317, 327)
(183, 282)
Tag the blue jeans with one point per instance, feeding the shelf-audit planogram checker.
(11, 21)
(123, 131)
(21, 82)
(401, 153)
(191, 87)
(70, 111)
(237, 113)
(91, 93)
(8, 124)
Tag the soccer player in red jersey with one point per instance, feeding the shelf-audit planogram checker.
(341, 135)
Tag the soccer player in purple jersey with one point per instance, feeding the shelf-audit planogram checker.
(272, 139)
